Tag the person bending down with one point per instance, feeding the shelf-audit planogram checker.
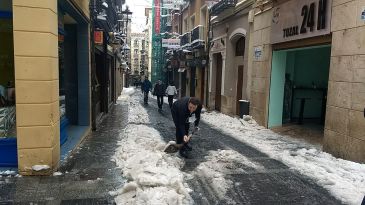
(181, 110)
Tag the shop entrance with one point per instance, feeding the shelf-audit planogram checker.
(298, 90)
(8, 140)
(74, 94)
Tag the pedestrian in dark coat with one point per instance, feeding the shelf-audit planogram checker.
(181, 110)
(146, 87)
(159, 91)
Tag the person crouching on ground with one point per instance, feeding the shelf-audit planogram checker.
(171, 92)
(159, 91)
(181, 110)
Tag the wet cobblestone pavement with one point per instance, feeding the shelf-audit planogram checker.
(87, 177)
(90, 174)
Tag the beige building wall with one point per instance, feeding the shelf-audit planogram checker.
(83, 6)
(345, 122)
(36, 80)
(193, 18)
(136, 37)
(260, 68)
(228, 27)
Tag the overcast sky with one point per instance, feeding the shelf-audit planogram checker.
(138, 17)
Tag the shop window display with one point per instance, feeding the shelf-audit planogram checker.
(62, 92)
(7, 86)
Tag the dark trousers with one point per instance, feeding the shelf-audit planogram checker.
(180, 139)
(170, 99)
(145, 97)
(160, 101)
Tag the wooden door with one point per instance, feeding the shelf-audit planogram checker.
(239, 87)
(218, 83)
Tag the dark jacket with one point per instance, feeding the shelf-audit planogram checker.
(180, 114)
(146, 86)
(159, 90)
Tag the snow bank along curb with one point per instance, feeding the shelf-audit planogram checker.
(153, 176)
(344, 179)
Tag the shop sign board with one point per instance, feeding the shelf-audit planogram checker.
(98, 37)
(171, 43)
(172, 4)
(298, 19)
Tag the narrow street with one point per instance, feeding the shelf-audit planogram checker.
(278, 87)
(123, 163)
(274, 183)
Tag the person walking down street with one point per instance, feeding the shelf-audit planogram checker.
(146, 87)
(181, 111)
(159, 91)
(171, 92)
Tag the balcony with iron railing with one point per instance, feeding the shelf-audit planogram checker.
(197, 37)
(185, 40)
(222, 5)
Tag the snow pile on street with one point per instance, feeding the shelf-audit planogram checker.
(344, 179)
(154, 177)
(137, 113)
(7, 172)
(126, 93)
(57, 174)
(40, 167)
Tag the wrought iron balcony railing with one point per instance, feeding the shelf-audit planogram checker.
(222, 5)
(185, 39)
(197, 37)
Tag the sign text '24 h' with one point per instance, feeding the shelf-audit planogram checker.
(308, 21)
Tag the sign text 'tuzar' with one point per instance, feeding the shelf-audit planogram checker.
(298, 19)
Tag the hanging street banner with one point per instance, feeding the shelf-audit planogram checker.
(171, 43)
(157, 16)
(295, 20)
